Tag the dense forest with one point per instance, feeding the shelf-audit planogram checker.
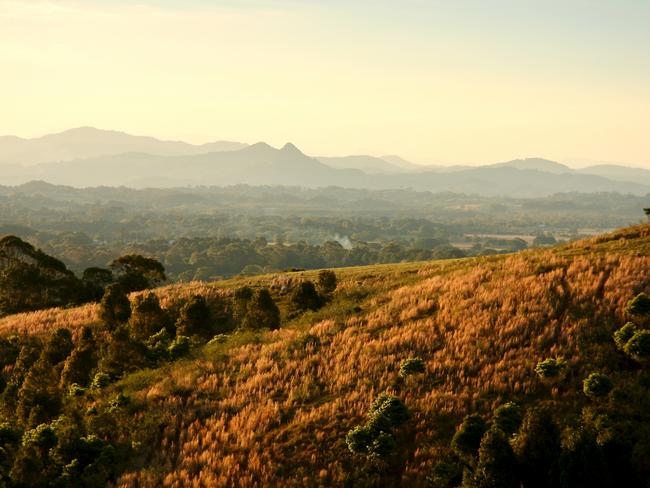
(515, 370)
(206, 233)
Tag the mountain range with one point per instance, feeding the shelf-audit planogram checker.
(86, 156)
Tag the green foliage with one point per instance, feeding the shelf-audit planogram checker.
(58, 347)
(597, 385)
(194, 318)
(411, 366)
(305, 297)
(147, 317)
(507, 418)
(551, 369)
(261, 312)
(359, 439)
(638, 347)
(83, 359)
(624, 334)
(100, 380)
(639, 305)
(537, 448)
(390, 407)
(327, 281)
(467, 438)
(179, 347)
(135, 272)
(446, 474)
(115, 307)
(496, 467)
(95, 280)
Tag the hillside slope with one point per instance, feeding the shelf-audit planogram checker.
(273, 408)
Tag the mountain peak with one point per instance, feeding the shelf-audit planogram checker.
(289, 148)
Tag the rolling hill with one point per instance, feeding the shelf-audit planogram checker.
(273, 408)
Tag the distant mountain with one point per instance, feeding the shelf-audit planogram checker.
(618, 173)
(368, 164)
(148, 162)
(88, 142)
(401, 162)
(536, 164)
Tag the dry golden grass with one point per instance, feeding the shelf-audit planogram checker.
(274, 412)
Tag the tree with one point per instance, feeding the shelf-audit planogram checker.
(135, 272)
(624, 334)
(122, 354)
(507, 418)
(597, 385)
(496, 467)
(305, 297)
(115, 307)
(537, 447)
(194, 317)
(467, 438)
(639, 305)
(39, 398)
(58, 347)
(262, 312)
(80, 363)
(411, 366)
(551, 370)
(241, 299)
(638, 347)
(95, 280)
(147, 317)
(390, 407)
(327, 281)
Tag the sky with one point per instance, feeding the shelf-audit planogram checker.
(435, 81)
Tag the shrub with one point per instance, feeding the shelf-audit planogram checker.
(327, 281)
(597, 385)
(358, 439)
(638, 347)
(639, 305)
(624, 334)
(194, 317)
(411, 366)
(179, 347)
(496, 461)
(537, 447)
(147, 317)
(262, 312)
(507, 418)
(100, 380)
(467, 438)
(305, 297)
(115, 307)
(551, 369)
(391, 407)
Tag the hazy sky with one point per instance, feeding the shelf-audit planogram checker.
(436, 81)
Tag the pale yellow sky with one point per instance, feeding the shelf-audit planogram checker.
(451, 83)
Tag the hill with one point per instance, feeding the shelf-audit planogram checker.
(273, 408)
(88, 142)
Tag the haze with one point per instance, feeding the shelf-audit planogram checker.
(433, 81)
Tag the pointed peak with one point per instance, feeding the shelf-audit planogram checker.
(290, 148)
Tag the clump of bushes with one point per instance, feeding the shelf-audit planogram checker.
(597, 385)
(551, 369)
(411, 366)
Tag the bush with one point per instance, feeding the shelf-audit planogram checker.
(467, 438)
(639, 305)
(638, 347)
(100, 381)
(194, 317)
(262, 312)
(507, 418)
(391, 407)
(597, 385)
(551, 369)
(179, 347)
(411, 366)
(624, 334)
(359, 439)
(305, 297)
(147, 317)
(115, 307)
(327, 281)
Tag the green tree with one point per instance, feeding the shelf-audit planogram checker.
(497, 465)
(83, 359)
(551, 369)
(597, 385)
(537, 448)
(115, 307)
(39, 398)
(135, 272)
(411, 366)
(262, 312)
(467, 438)
(58, 347)
(95, 280)
(639, 305)
(638, 347)
(624, 334)
(390, 407)
(305, 297)
(147, 317)
(507, 418)
(194, 318)
(327, 281)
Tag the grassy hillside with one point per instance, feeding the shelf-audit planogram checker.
(273, 408)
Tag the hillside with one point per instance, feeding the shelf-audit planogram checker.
(273, 408)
